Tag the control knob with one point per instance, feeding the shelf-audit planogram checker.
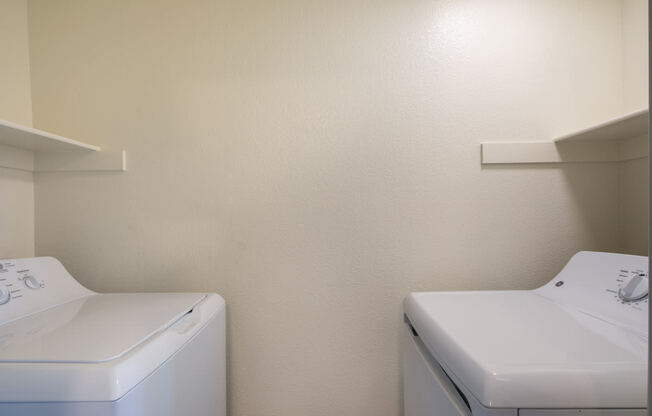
(31, 282)
(5, 296)
(634, 289)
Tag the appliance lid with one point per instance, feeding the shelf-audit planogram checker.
(110, 380)
(92, 329)
(517, 349)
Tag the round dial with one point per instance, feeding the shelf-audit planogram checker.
(635, 288)
(31, 282)
(4, 295)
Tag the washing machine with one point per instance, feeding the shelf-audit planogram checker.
(575, 346)
(68, 351)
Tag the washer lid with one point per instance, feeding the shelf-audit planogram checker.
(92, 329)
(519, 349)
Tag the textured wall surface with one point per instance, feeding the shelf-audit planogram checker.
(634, 181)
(16, 187)
(15, 95)
(635, 54)
(634, 190)
(314, 162)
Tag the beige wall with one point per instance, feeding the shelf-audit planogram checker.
(15, 95)
(314, 162)
(634, 180)
(16, 187)
(635, 54)
(634, 211)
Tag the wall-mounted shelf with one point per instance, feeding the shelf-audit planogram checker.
(615, 140)
(26, 148)
(620, 128)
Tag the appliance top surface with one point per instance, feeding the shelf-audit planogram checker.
(47, 316)
(62, 342)
(574, 344)
(93, 328)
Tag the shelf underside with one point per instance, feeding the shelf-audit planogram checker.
(27, 160)
(29, 149)
(620, 128)
(619, 139)
(23, 137)
(564, 152)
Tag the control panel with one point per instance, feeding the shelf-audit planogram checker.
(612, 287)
(31, 285)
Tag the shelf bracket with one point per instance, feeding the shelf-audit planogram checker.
(80, 161)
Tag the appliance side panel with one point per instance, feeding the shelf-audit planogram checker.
(426, 388)
(192, 382)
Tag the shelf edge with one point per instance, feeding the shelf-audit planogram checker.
(40, 133)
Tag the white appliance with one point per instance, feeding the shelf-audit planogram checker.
(576, 346)
(67, 351)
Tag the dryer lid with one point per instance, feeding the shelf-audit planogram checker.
(573, 343)
(516, 349)
(92, 329)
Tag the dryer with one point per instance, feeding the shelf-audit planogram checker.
(576, 346)
(65, 350)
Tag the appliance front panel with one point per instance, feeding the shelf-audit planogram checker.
(427, 389)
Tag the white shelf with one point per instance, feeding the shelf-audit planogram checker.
(22, 137)
(26, 148)
(624, 127)
(548, 152)
(620, 139)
